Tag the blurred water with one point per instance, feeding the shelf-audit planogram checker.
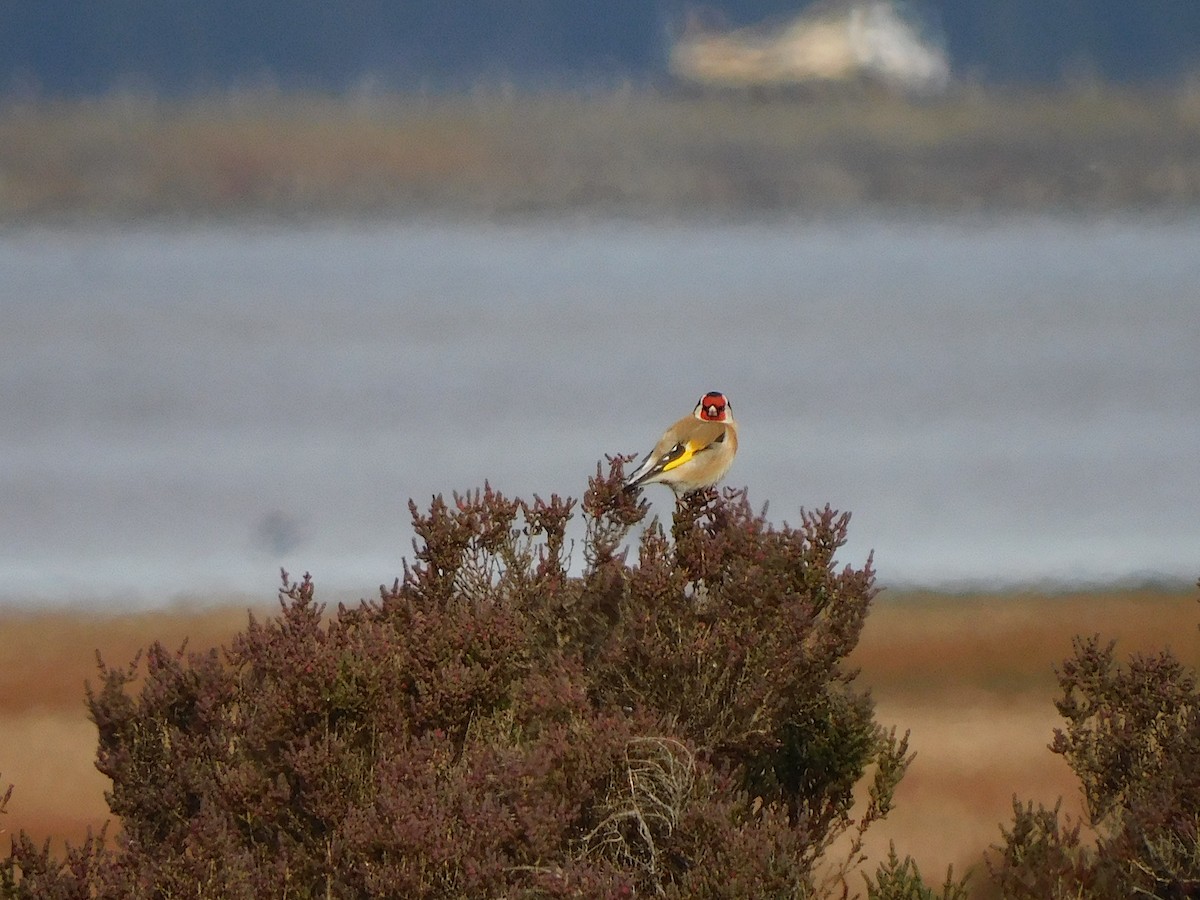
(185, 410)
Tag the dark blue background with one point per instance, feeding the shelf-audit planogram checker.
(90, 46)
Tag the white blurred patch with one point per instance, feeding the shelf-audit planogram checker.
(876, 40)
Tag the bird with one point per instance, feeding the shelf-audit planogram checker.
(695, 452)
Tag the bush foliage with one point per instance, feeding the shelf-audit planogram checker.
(496, 726)
(1132, 736)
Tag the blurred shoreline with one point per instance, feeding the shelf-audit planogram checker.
(1088, 149)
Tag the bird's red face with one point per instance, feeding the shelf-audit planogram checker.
(713, 407)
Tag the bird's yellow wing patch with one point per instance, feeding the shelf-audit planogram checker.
(686, 452)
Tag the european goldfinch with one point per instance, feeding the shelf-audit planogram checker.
(695, 452)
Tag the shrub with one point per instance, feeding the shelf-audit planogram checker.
(898, 879)
(494, 725)
(1132, 737)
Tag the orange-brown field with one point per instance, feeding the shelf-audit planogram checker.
(970, 676)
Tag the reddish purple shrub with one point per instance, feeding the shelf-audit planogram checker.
(1132, 737)
(494, 726)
